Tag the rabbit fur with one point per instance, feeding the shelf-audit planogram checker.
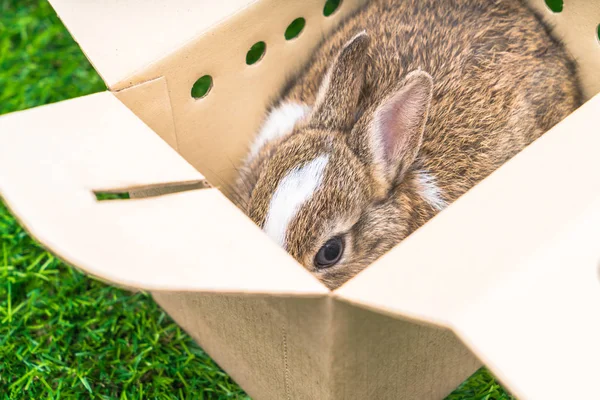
(407, 105)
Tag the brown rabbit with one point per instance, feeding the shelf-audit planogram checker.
(403, 109)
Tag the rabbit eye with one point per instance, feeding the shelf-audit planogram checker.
(330, 253)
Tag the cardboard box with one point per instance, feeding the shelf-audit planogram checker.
(507, 275)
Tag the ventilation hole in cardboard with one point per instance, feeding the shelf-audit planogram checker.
(598, 33)
(331, 6)
(102, 196)
(555, 5)
(202, 87)
(256, 53)
(295, 28)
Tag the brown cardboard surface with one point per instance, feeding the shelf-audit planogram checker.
(378, 357)
(315, 348)
(275, 348)
(52, 159)
(121, 37)
(522, 248)
(151, 103)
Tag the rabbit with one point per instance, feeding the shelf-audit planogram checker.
(400, 111)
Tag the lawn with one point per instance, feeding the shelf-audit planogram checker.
(64, 335)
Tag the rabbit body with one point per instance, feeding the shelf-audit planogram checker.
(399, 112)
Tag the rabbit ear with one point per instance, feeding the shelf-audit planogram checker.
(396, 131)
(338, 95)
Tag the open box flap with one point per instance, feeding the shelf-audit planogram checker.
(539, 329)
(512, 266)
(121, 37)
(53, 159)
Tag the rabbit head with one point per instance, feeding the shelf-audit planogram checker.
(331, 182)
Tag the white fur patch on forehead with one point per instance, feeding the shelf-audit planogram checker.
(279, 123)
(429, 190)
(294, 190)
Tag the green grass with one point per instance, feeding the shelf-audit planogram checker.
(202, 86)
(555, 5)
(256, 52)
(295, 28)
(64, 335)
(330, 7)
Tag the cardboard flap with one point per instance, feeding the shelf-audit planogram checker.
(121, 37)
(538, 330)
(53, 159)
(151, 102)
(512, 266)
